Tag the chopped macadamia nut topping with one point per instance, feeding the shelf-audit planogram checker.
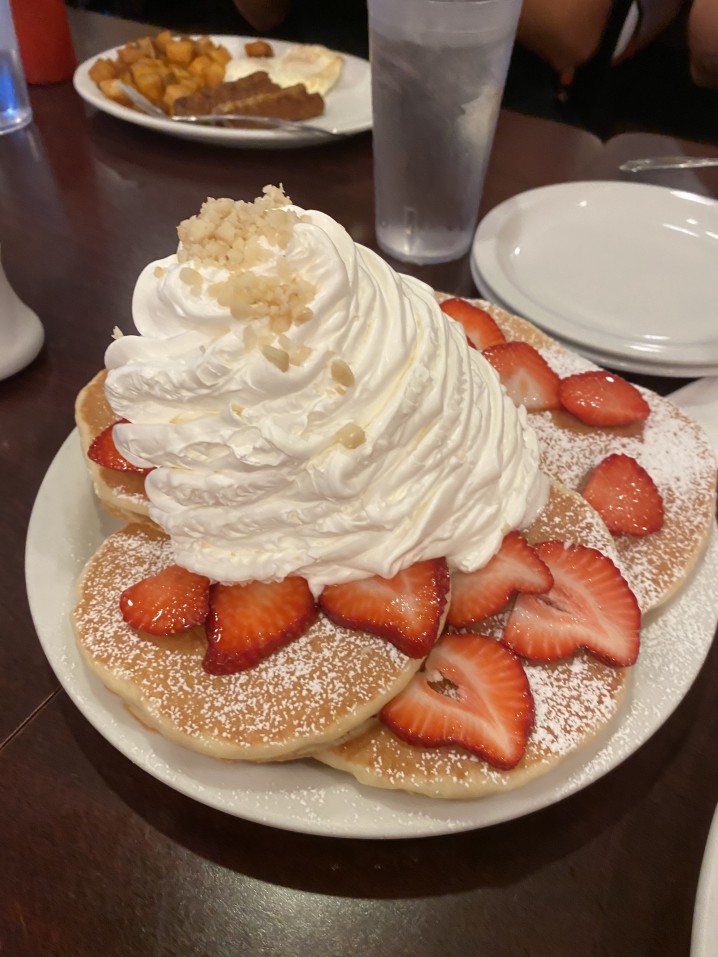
(342, 373)
(237, 236)
(277, 357)
(351, 435)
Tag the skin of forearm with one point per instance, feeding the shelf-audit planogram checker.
(703, 43)
(264, 15)
(564, 33)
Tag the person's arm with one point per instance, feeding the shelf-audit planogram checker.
(263, 15)
(703, 42)
(564, 33)
(567, 33)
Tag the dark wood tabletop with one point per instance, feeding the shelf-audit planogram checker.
(99, 858)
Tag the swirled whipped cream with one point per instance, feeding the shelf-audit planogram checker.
(308, 410)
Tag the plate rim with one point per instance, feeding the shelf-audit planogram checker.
(387, 814)
(249, 139)
(704, 933)
(613, 361)
(484, 259)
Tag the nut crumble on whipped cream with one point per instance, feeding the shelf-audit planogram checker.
(307, 410)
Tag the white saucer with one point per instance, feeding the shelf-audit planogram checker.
(624, 272)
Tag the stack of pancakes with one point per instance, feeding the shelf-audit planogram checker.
(319, 695)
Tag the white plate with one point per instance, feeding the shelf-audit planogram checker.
(347, 106)
(615, 362)
(624, 270)
(704, 939)
(67, 525)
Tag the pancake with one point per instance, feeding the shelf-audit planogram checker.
(575, 700)
(670, 446)
(121, 493)
(304, 696)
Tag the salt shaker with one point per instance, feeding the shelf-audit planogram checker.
(21, 332)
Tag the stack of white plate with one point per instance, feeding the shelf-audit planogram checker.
(626, 274)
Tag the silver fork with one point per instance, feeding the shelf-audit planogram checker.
(219, 119)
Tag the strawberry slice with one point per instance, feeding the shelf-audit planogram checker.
(602, 398)
(589, 607)
(167, 603)
(407, 609)
(528, 378)
(246, 623)
(480, 328)
(473, 693)
(104, 452)
(478, 594)
(625, 496)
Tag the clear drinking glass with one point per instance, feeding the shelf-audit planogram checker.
(438, 74)
(15, 110)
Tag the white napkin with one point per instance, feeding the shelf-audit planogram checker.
(699, 400)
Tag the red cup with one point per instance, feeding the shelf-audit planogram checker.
(43, 35)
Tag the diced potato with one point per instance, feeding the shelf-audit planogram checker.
(102, 69)
(204, 45)
(180, 51)
(258, 48)
(151, 86)
(163, 68)
(174, 91)
(220, 55)
(214, 75)
(130, 54)
(147, 46)
(199, 65)
(112, 91)
(145, 66)
(162, 39)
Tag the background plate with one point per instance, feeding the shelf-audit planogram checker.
(67, 525)
(347, 106)
(622, 269)
(621, 363)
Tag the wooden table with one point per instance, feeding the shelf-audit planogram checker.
(98, 858)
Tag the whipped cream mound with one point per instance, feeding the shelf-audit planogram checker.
(310, 411)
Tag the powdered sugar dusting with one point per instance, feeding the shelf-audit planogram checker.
(672, 448)
(305, 694)
(573, 699)
(675, 453)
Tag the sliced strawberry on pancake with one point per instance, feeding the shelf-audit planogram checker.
(480, 328)
(473, 693)
(478, 594)
(407, 609)
(103, 451)
(246, 623)
(527, 377)
(602, 398)
(590, 607)
(625, 496)
(167, 603)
